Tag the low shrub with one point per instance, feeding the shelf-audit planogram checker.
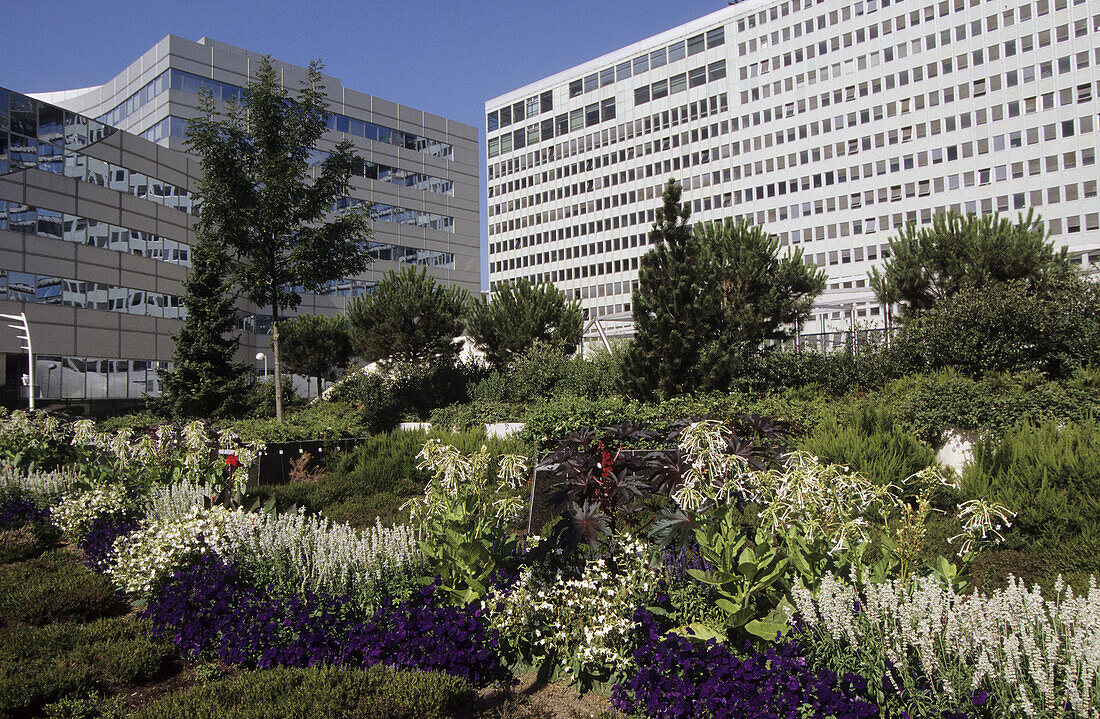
(543, 372)
(207, 609)
(927, 405)
(66, 661)
(25, 530)
(319, 420)
(866, 365)
(100, 540)
(1047, 474)
(319, 693)
(680, 678)
(868, 440)
(54, 587)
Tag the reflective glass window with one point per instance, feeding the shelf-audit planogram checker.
(607, 109)
(607, 77)
(716, 37)
(3, 284)
(517, 112)
(546, 101)
(72, 377)
(532, 106)
(696, 45)
(51, 123)
(591, 82)
(677, 51)
(716, 70)
(47, 290)
(677, 83)
(3, 110)
(22, 287)
(658, 58)
(24, 115)
(548, 129)
(505, 116)
(641, 64)
(660, 89)
(576, 87)
(622, 71)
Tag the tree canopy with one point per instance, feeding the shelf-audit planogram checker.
(267, 205)
(669, 307)
(408, 318)
(204, 381)
(757, 294)
(518, 315)
(956, 252)
(316, 345)
(707, 295)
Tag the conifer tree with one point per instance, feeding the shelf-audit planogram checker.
(520, 314)
(671, 313)
(316, 346)
(204, 381)
(758, 295)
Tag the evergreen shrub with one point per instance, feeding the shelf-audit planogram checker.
(319, 693)
(1050, 476)
(54, 587)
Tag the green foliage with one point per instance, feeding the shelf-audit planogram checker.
(93, 706)
(372, 394)
(261, 400)
(55, 588)
(138, 422)
(204, 381)
(1007, 326)
(930, 264)
(869, 441)
(518, 315)
(927, 405)
(1047, 474)
(62, 664)
(865, 364)
(669, 307)
(318, 420)
(542, 372)
(26, 541)
(407, 390)
(409, 317)
(755, 295)
(316, 345)
(376, 478)
(319, 693)
(266, 204)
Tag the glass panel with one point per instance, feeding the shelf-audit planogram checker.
(95, 379)
(118, 376)
(696, 45)
(138, 379)
(48, 376)
(48, 290)
(676, 51)
(21, 287)
(51, 123)
(4, 123)
(50, 224)
(23, 151)
(3, 284)
(641, 64)
(76, 131)
(24, 115)
(658, 58)
(72, 293)
(22, 218)
(72, 377)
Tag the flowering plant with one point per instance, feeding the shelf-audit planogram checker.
(465, 515)
(75, 513)
(576, 616)
(147, 556)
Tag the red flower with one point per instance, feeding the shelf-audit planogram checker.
(232, 461)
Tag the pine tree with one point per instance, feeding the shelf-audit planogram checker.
(408, 318)
(670, 308)
(204, 381)
(316, 346)
(520, 314)
(758, 295)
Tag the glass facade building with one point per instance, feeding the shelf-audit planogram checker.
(97, 214)
(831, 124)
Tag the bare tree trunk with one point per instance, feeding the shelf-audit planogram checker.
(278, 368)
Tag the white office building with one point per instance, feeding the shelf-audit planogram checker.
(829, 123)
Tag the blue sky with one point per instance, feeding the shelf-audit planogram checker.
(443, 57)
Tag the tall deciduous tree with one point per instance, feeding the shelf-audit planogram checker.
(758, 295)
(267, 205)
(957, 252)
(316, 346)
(672, 322)
(518, 315)
(408, 318)
(204, 380)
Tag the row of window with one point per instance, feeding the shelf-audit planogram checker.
(402, 216)
(82, 231)
(228, 92)
(59, 377)
(394, 175)
(412, 255)
(47, 290)
(649, 60)
(680, 83)
(520, 111)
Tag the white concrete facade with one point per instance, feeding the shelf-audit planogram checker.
(829, 123)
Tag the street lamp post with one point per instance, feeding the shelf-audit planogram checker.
(21, 318)
(262, 356)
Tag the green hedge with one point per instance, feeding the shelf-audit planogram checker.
(53, 588)
(1050, 476)
(319, 693)
(67, 661)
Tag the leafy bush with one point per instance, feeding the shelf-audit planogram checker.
(65, 661)
(137, 422)
(865, 364)
(1048, 475)
(54, 588)
(542, 372)
(24, 528)
(870, 442)
(677, 677)
(407, 391)
(208, 609)
(927, 405)
(319, 693)
(319, 420)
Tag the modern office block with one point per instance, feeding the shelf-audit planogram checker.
(829, 123)
(97, 213)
